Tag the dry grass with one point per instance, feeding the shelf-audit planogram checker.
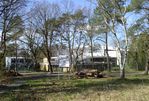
(134, 88)
(138, 93)
(124, 92)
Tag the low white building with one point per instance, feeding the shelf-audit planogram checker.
(61, 61)
(20, 62)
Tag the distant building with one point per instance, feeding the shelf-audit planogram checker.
(100, 53)
(20, 62)
(61, 61)
(99, 59)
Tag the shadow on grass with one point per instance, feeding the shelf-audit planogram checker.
(79, 85)
(32, 91)
(114, 84)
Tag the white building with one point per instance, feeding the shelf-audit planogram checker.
(21, 62)
(61, 61)
(100, 52)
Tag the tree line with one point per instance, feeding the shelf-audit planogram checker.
(49, 27)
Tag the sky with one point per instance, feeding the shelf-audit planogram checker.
(83, 3)
(77, 3)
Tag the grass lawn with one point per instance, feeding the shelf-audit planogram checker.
(134, 88)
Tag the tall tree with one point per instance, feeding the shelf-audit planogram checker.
(115, 11)
(32, 42)
(78, 24)
(16, 33)
(91, 29)
(135, 33)
(45, 20)
(9, 9)
(71, 30)
(103, 30)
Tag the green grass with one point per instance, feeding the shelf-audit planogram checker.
(134, 88)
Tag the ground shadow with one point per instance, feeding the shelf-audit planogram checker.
(33, 90)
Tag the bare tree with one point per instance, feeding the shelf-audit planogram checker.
(9, 10)
(45, 15)
(72, 27)
(32, 41)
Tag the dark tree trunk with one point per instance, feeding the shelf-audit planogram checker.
(107, 54)
(3, 46)
(16, 62)
(48, 50)
(50, 66)
(70, 54)
(91, 41)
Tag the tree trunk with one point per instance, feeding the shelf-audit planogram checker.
(108, 61)
(3, 45)
(91, 40)
(122, 73)
(82, 53)
(70, 54)
(50, 66)
(147, 62)
(16, 62)
(147, 67)
(49, 60)
(136, 60)
(48, 48)
(107, 54)
(121, 64)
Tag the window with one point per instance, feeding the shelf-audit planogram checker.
(13, 61)
(21, 60)
(52, 59)
(98, 59)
